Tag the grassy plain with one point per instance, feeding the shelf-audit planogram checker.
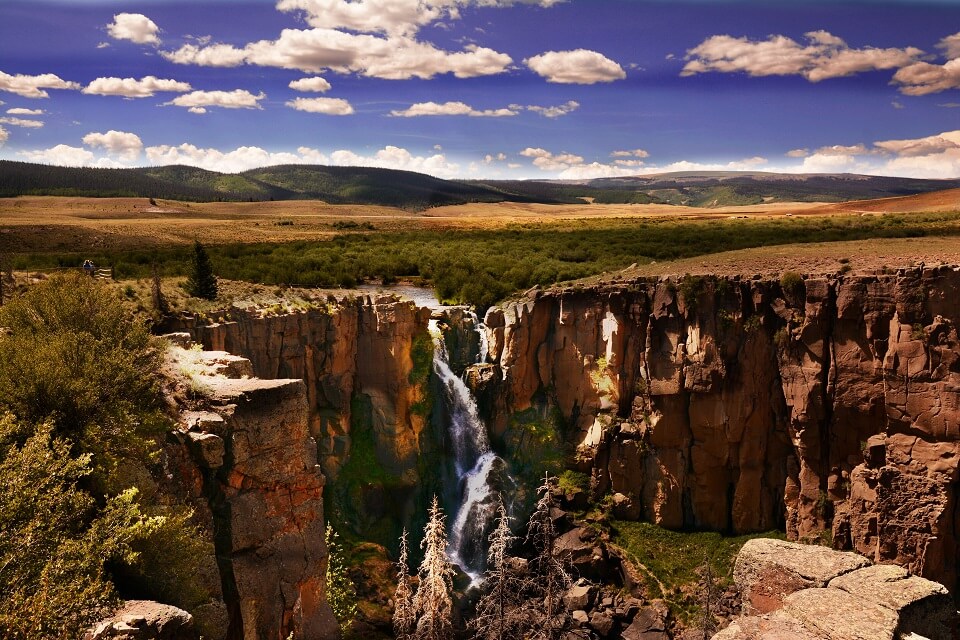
(476, 253)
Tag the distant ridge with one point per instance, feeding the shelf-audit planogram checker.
(417, 191)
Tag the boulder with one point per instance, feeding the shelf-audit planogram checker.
(145, 620)
(579, 596)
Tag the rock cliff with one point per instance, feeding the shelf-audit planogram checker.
(243, 458)
(366, 364)
(822, 405)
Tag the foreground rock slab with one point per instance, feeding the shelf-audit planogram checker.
(803, 592)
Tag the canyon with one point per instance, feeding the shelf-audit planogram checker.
(823, 406)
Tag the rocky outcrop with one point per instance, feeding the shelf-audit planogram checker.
(366, 363)
(825, 406)
(145, 620)
(802, 592)
(244, 458)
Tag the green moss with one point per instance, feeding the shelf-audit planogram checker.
(534, 445)
(672, 559)
(573, 481)
(422, 354)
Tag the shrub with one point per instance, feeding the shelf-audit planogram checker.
(792, 283)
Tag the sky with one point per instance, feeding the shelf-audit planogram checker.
(568, 89)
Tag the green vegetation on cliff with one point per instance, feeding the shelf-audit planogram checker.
(80, 425)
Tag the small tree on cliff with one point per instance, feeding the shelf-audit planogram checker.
(404, 616)
(201, 283)
(433, 604)
(340, 591)
(550, 577)
(498, 616)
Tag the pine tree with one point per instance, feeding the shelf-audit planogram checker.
(433, 604)
(550, 573)
(201, 283)
(498, 616)
(404, 617)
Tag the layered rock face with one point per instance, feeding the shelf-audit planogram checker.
(366, 365)
(813, 404)
(244, 459)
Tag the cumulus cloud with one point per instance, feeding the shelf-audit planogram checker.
(4, 136)
(237, 99)
(547, 161)
(451, 109)
(25, 112)
(555, 112)
(133, 88)
(315, 85)
(930, 145)
(317, 50)
(61, 155)
(400, 17)
(33, 86)
(823, 56)
(630, 153)
(924, 78)
(22, 122)
(580, 66)
(134, 27)
(798, 153)
(328, 106)
(491, 158)
(122, 145)
(245, 158)
(843, 150)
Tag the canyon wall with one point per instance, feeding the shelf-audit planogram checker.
(825, 406)
(243, 459)
(366, 363)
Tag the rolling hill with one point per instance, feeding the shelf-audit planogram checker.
(417, 191)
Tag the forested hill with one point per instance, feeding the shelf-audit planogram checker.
(417, 191)
(336, 185)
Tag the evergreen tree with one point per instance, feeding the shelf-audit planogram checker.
(498, 614)
(340, 590)
(201, 283)
(433, 604)
(550, 576)
(404, 617)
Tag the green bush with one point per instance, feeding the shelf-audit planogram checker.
(792, 284)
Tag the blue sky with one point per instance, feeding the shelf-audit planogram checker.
(485, 88)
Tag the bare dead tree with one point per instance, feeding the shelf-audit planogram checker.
(499, 615)
(160, 304)
(404, 618)
(551, 577)
(708, 597)
(433, 603)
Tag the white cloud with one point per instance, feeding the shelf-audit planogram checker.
(21, 122)
(555, 112)
(25, 112)
(843, 150)
(122, 145)
(930, 145)
(580, 66)
(950, 46)
(4, 136)
(133, 88)
(594, 170)
(397, 17)
(328, 106)
(798, 153)
(61, 155)
(134, 27)
(824, 56)
(315, 85)
(451, 109)
(491, 158)
(245, 158)
(629, 163)
(237, 99)
(317, 50)
(630, 153)
(547, 161)
(103, 45)
(197, 110)
(33, 86)
(924, 78)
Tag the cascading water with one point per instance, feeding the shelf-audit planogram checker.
(481, 474)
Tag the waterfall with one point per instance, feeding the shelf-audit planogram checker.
(481, 474)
